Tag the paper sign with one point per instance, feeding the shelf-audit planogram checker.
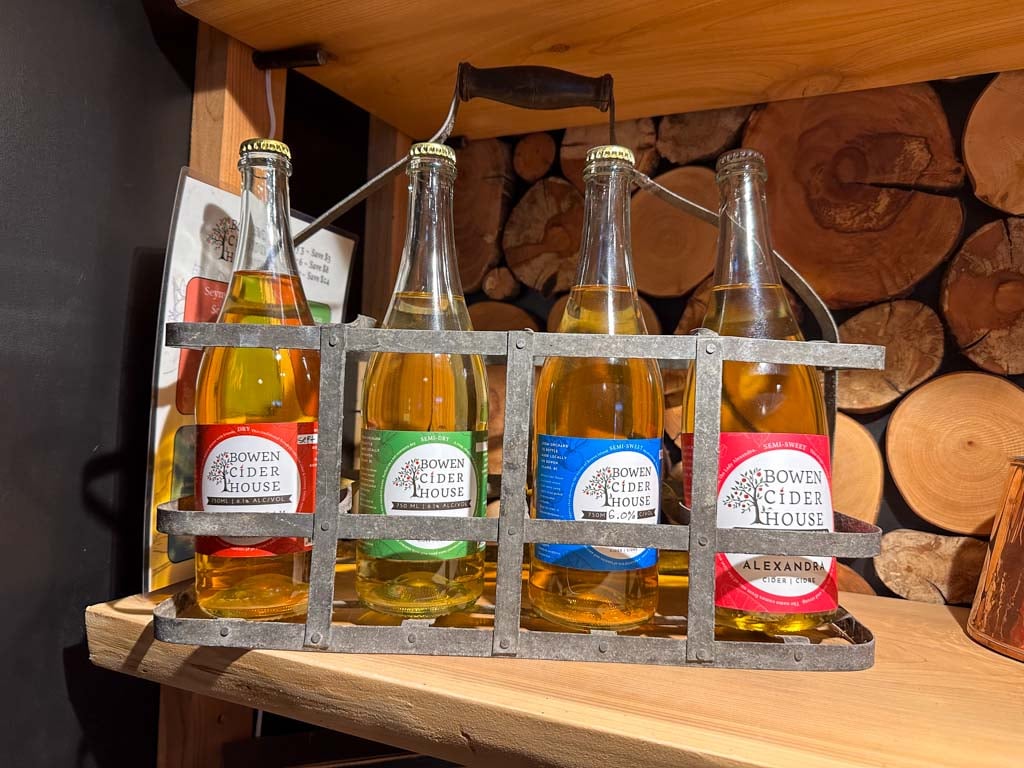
(200, 251)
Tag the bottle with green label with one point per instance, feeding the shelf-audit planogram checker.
(597, 428)
(423, 448)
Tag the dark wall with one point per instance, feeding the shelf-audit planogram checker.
(328, 138)
(95, 104)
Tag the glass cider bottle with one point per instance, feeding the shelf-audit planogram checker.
(597, 428)
(256, 411)
(424, 440)
(774, 465)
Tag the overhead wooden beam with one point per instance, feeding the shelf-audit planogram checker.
(385, 219)
(668, 57)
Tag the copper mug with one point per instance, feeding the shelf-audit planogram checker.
(997, 615)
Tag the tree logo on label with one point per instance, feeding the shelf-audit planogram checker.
(598, 485)
(224, 235)
(219, 471)
(405, 477)
(747, 493)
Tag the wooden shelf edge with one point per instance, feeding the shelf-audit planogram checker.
(505, 712)
(666, 57)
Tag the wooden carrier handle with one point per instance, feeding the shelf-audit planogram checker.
(533, 87)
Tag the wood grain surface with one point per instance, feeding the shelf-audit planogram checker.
(398, 61)
(229, 106)
(994, 144)
(929, 567)
(673, 251)
(850, 186)
(858, 474)
(983, 297)
(912, 335)
(949, 443)
(936, 699)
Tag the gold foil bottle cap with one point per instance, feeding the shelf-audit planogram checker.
(265, 145)
(610, 152)
(432, 149)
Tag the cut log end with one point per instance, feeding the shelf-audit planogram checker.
(499, 316)
(930, 568)
(983, 297)
(542, 236)
(913, 339)
(533, 156)
(696, 136)
(501, 285)
(637, 135)
(851, 581)
(948, 444)
(673, 252)
(993, 151)
(858, 473)
(483, 197)
(495, 401)
(849, 182)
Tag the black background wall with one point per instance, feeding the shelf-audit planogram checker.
(95, 111)
(95, 105)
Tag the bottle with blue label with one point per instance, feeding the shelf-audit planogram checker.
(597, 428)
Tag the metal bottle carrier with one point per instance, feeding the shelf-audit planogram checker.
(505, 631)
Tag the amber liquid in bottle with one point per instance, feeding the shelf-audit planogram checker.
(425, 393)
(758, 397)
(615, 398)
(259, 386)
(247, 386)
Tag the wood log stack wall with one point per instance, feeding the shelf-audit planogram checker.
(900, 205)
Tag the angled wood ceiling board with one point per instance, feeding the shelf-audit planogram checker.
(397, 58)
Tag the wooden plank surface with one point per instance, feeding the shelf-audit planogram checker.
(194, 729)
(385, 219)
(397, 60)
(229, 106)
(934, 698)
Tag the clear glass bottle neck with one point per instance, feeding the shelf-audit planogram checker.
(428, 278)
(264, 237)
(606, 253)
(745, 254)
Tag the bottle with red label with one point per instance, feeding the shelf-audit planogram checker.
(774, 468)
(598, 424)
(256, 411)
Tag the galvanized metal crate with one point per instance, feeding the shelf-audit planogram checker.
(673, 639)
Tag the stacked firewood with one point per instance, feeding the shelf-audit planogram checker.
(868, 199)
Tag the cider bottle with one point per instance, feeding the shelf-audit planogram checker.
(423, 449)
(774, 469)
(256, 411)
(597, 428)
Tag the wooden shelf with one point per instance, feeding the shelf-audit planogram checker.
(397, 60)
(934, 698)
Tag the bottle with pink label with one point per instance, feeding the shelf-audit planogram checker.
(774, 470)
